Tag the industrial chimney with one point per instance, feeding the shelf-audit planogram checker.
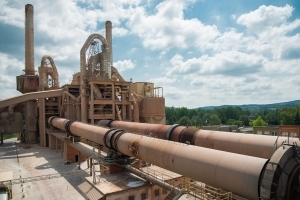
(29, 82)
(29, 40)
(108, 35)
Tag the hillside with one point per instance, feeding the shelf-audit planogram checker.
(258, 106)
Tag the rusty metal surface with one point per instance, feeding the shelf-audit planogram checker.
(262, 146)
(187, 135)
(232, 172)
(153, 130)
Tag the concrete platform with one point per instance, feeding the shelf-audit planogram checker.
(37, 161)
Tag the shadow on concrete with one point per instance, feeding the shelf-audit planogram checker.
(50, 160)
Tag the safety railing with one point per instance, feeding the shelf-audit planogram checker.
(196, 189)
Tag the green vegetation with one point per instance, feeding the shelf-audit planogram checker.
(235, 115)
(8, 136)
(258, 122)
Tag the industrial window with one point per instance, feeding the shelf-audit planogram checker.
(284, 133)
(293, 135)
(156, 192)
(131, 197)
(266, 133)
(143, 196)
(259, 132)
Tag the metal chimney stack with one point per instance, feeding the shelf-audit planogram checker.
(108, 35)
(29, 40)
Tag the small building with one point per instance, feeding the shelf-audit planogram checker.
(282, 130)
(266, 130)
(289, 130)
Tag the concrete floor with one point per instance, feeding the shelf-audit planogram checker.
(37, 161)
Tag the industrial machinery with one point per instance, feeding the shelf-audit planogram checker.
(97, 92)
(247, 144)
(250, 177)
(251, 166)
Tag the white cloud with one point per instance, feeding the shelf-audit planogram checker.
(124, 65)
(7, 11)
(230, 63)
(10, 68)
(269, 22)
(167, 28)
(255, 62)
(119, 32)
(265, 16)
(162, 81)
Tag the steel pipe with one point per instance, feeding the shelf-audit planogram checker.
(262, 146)
(238, 173)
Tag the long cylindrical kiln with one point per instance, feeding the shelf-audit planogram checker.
(241, 174)
(262, 146)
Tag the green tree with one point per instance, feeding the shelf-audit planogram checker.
(196, 121)
(214, 119)
(258, 122)
(297, 118)
(170, 115)
(185, 121)
(271, 117)
(287, 118)
(244, 119)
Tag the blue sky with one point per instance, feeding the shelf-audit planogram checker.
(202, 53)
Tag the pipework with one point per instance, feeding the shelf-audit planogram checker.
(243, 175)
(262, 146)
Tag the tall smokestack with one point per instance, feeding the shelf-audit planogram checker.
(29, 40)
(108, 35)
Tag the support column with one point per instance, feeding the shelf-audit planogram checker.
(52, 142)
(113, 96)
(30, 121)
(92, 114)
(42, 122)
(91, 160)
(61, 148)
(79, 159)
(56, 145)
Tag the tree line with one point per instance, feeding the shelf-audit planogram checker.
(231, 115)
